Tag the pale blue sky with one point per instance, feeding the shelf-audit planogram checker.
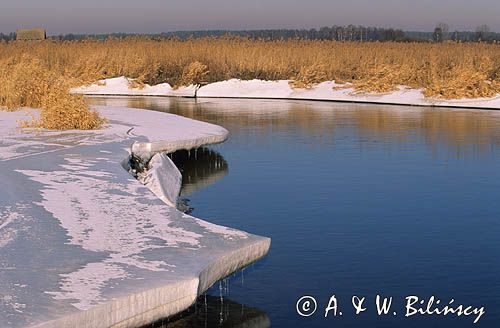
(154, 16)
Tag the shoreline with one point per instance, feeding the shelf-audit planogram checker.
(113, 254)
(281, 90)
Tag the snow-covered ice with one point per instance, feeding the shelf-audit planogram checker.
(85, 244)
(327, 91)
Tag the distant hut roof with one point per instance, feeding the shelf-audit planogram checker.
(31, 35)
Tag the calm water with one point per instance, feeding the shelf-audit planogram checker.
(358, 200)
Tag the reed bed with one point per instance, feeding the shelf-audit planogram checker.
(25, 81)
(29, 71)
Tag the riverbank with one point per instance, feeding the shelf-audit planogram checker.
(83, 243)
(259, 89)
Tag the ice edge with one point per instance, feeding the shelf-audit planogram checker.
(148, 306)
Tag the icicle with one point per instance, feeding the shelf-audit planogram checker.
(220, 291)
(221, 319)
(206, 311)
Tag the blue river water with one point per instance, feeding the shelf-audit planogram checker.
(359, 200)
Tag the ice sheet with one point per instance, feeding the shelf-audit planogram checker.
(85, 244)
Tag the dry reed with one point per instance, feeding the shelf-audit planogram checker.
(446, 70)
(26, 82)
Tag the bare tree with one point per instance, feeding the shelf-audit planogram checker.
(441, 32)
(482, 32)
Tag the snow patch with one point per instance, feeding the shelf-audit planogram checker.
(123, 86)
(331, 91)
(281, 89)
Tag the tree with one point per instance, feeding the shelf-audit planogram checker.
(440, 32)
(482, 32)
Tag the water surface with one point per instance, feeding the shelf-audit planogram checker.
(358, 200)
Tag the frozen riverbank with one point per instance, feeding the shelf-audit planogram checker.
(326, 91)
(121, 86)
(84, 244)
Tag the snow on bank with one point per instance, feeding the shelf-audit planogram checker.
(330, 91)
(84, 244)
(327, 91)
(121, 86)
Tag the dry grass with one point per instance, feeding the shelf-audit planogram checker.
(309, 76)
(26, 82)
(61, 110)
(446, 70)
(193, 74)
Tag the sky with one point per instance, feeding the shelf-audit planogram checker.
(156, 16)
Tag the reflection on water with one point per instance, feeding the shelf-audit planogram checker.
(200, 168)
(463, 132)
(212, 311)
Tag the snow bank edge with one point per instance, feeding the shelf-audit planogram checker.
(145, 307)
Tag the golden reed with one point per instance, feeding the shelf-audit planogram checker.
(29, 71)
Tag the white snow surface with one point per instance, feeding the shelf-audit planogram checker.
(327, 91)
(84, 244)
(331, 91)
(163, 179)
(121, 86)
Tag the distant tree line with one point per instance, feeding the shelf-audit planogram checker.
(7, 37)
(482, 33)
(339, 33)
(441, 33)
